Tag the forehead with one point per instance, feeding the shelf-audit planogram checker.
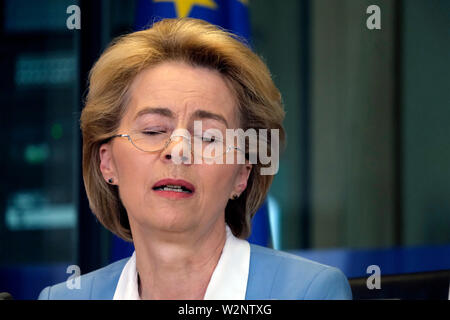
(183, 89)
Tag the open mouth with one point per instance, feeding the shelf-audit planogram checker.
(174, 188)
(174, 185)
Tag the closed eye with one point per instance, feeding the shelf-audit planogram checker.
(208, 139)
(153, 133)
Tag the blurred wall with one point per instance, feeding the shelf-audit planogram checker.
(276, 35)
(367, 160)
(426, 122)
(353, 129)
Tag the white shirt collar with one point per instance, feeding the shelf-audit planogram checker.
(127, 287)
(228, 281)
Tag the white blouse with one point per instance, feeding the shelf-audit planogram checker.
(228, 281)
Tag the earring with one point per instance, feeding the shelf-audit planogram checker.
(110, 180)
(235, 196)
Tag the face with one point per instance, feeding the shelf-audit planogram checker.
(173, 95)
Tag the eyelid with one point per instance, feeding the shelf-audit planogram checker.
(209, 136)
(156, 129)
(153, 130)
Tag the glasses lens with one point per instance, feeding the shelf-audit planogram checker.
(149, 141)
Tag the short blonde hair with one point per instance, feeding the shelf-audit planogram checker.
(197, 43)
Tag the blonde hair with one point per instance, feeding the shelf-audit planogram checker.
(198, 43)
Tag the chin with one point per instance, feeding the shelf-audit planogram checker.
(172, 221)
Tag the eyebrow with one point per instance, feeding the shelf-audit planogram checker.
(198, 114)
(155, 110)
(203, 114)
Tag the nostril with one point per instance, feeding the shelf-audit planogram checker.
(168, 156)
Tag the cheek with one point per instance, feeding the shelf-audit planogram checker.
(133, 173)
(218, 179)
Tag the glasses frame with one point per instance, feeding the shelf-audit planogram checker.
(169, 140)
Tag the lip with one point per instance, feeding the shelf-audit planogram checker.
(174, 194)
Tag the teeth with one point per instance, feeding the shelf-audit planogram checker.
(173, 188)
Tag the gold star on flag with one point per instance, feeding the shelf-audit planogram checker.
(184, 7)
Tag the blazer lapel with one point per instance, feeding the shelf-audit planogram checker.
(260, 275)
(104, 283)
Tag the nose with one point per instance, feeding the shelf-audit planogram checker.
(177, 151)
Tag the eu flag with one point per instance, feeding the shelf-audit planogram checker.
(229, 14)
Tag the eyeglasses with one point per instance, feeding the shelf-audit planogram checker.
(204, 146)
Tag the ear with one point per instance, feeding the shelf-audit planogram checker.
(241, 179)
(107, 166)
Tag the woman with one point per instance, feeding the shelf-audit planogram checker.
(187, 219)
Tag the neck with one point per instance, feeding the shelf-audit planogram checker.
(179, 269)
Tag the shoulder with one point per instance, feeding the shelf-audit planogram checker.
(279, 275)
(99, 285)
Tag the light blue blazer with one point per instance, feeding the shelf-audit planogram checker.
(272, 275)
